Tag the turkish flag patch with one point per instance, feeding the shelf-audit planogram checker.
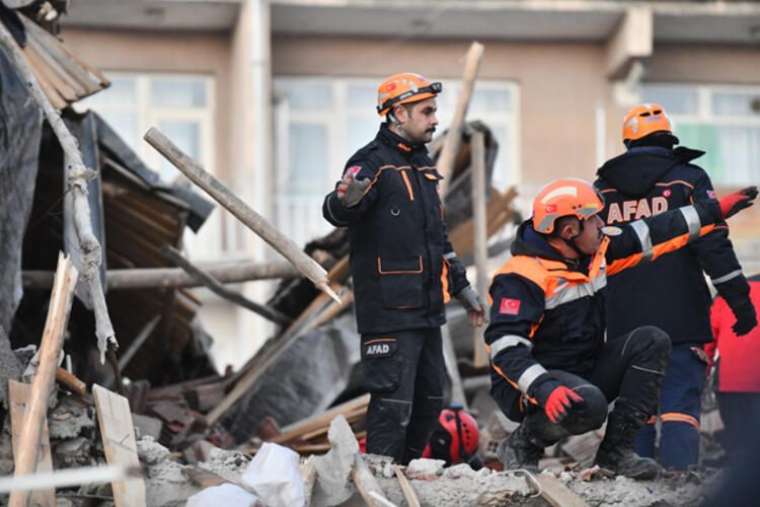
(352, 171)
(509, 306)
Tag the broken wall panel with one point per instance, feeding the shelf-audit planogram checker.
(306, 380)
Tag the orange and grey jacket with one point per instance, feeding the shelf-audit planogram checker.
(644, 181)
(549, 312)
(403, 266)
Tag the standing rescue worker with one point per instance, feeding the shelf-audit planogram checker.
(649, 178)
(551, 366)
(738, 377)
(403, 266)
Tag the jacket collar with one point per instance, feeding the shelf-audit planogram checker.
(398, 143)
(530, 243)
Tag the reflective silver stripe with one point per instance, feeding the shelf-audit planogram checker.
(692, 221)
(725, 278)
(568, 292)
(450, 255)
(529, 376)
(505, 342)
(642, 231)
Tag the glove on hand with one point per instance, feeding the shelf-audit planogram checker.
(732, 204)
(746, 319)
(556, 399)
(350, 190)
(474, 306)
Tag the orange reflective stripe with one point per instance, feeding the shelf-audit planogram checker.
(652, 420)
(408, 185)
(680, 417)
(658, 250)
(445, 282)
(669, 183)
(512, 382)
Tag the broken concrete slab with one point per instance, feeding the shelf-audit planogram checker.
(228, 495)
(334, 468)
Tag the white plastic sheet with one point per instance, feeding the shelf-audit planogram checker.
(227, 495)
(275, 477)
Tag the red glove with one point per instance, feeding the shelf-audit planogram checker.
(559, 400)
(732, 204)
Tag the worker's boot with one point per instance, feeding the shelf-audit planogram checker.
(616, 450)
(520, 450)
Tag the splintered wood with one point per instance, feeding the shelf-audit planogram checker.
(118, 434)
(19, 394)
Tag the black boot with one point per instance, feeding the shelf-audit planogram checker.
(616, 450)
(520, 450)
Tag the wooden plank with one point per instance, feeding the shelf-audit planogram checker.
(322, 420)
(118, 436)
(71, 382)
(479, 219)
(44, 379)
(406, 487)
(64, 89)
(450, 148)
(19, 394)
(556, 493)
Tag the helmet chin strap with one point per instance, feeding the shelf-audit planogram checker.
(571, 242)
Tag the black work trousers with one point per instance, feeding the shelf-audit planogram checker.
(404, 372)
(629, 370)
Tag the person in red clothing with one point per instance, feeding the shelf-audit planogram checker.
(738, 376)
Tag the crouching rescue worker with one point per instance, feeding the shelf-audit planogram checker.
(551, 367)
(403, 267)
(651, 177)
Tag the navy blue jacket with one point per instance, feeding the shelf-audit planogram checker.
(672, 293)
(402, 262)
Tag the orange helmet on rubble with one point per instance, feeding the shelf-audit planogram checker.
(645, 119)
(565, 197)
(404, 88)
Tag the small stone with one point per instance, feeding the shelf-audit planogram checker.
(425, 469)
(565, 477)
(461, 470)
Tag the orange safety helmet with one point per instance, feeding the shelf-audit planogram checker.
(404, 88)
(643, 120)
(565, 197)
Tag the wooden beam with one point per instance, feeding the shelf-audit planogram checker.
(175, 278)
(19, 394)
(240, 210)
(138, 342)
(406, 487)
(71, 382)
(42, 384)
(450, 148)
(556, 493)
(478, 178)
(66, 478)
(322, 420)
(217, 288)
(118, 435)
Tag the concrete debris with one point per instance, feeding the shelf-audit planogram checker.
(70, 419)
(74, 452)
(334, 468)
(425, 469)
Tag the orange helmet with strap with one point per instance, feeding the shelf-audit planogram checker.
(404, 88)
(565, 197)
(645, 119)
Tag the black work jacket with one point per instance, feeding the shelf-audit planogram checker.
(649, 180)
(402, 263)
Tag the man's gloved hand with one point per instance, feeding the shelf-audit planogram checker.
(556, 399)
(732, 204)
(350, 190)
(474, 306)
(746, 318)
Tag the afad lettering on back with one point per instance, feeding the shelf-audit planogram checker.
(636, 209)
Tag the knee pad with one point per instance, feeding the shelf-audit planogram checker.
(591, 414)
